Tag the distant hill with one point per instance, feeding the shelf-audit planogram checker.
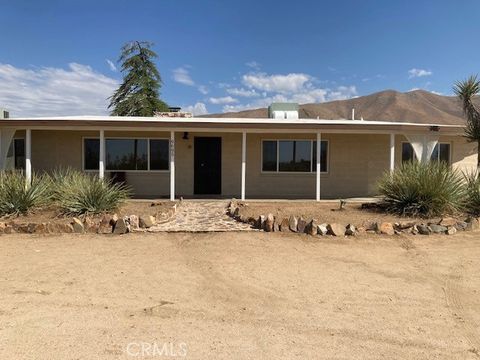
(389, 105)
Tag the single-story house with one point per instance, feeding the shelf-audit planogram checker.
(282, 156)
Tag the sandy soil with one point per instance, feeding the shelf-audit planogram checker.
(323, 212)
(239, 295)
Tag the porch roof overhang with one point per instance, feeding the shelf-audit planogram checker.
(225, 124)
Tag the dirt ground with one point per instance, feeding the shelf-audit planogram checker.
(327, 212)
(239, 296)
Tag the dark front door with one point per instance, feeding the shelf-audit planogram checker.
(207, 165)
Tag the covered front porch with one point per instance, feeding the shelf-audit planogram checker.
(224, 158)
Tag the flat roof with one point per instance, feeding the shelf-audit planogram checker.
(220, 123)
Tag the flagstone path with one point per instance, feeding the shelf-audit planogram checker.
(201, 216)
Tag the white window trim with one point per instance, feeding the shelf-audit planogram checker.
(439, 143)
(126, 138)
(312, 167)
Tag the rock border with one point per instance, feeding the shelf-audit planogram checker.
(108, 224)
(297, 224)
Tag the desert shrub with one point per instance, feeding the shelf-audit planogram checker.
(16, 198)
(472, 200)
(423, 189)
(78, 193)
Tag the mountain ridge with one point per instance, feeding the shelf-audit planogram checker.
(418, 106)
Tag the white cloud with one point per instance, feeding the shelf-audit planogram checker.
(49, 91)
(253, 64)
(198, 109)
(243, 92)
(413, 73)
(203, 89)
(111, 65)
(289, 83)
(182, 76)
(308, 95)
(223, 100)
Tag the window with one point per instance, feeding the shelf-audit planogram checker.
(441, 152)
(159, 154)
(293, 156)
(269, 156)
(16, 154)
(128, 154)
(91, 149)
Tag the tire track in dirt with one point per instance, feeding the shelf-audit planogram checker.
(454, 295)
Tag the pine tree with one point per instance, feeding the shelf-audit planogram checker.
(138, 95)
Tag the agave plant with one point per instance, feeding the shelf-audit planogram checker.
(16, 198)
(78, 193)
(423, 189)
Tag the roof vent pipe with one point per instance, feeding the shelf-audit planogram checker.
(353, 113)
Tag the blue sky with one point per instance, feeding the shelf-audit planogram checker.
(59, 57)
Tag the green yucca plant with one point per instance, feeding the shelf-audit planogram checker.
(78, 193)
(16, 198)
(423, 189)
(472, 201)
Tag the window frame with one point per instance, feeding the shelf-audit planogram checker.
(148, 170)
(312, 165)
(450, 148)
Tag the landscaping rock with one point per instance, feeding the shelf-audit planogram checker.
(336, 229)
(146, 222)
(403, 225)
(447, 221)
(2, 227)
(260, 222)
(276, 225)
(472, 224)
(438, 229)
(451, 230)
(41, 228)
(322, 229)
(77, 226)
(350, 230)
(423, 229)
(285, 225)
(89, 225)
(269, 222)
(113, 219)
(311, 228)
(301, 225)
(292, 223)
(134, 222)
(461, 226)
(386, 228)
(121, 227)
(361, 230)
(370, 226)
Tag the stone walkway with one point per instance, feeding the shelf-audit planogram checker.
(201, 216)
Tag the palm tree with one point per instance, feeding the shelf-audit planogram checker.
(466, 90)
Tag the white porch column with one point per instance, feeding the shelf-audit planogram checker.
(244, 161)
(319, 143)
(172, 165)
(101, 162)
(392, 152)
(28, 157)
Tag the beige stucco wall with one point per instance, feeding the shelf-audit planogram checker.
(355, 163)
